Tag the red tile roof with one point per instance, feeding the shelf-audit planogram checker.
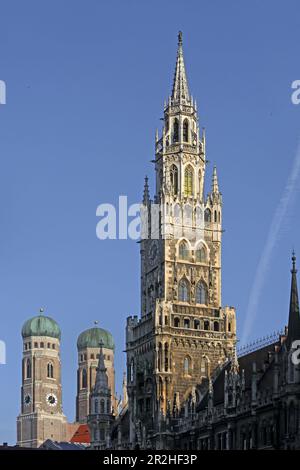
(82, 435)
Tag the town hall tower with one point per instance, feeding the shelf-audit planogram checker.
(183, 333)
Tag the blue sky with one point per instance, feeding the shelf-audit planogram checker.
(86, 83)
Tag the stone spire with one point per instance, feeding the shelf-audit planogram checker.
(146, 197)
(215, 184)
(180, 91)
(100, 417)
(234, 362)
(124, 386)
(101, 382)
(294, 316)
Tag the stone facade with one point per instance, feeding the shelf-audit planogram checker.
(249, 403)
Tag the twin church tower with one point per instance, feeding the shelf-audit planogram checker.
(41, 414)
(183, 332)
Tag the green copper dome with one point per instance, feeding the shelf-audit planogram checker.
(92, 337)
(41, 326)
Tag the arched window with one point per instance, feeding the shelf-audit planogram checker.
(201, 293)
(174, 178)
(28, 369)
(204, 366)
(107, 407)
(200, 183)
(185, 130)
(183, 250)
(215, 217)
(201, 255)
(206, 325)
(96, 410)
(207, 215)
(131, 370)
(84, 379)
(199, 218)
(188, 180)
(102, 410)
(160, 357)
(291, 370)
(177, 214)
(186, 323)
(161, 178)
(50, 371)
(166, 357)
(175, 130)
(186, 366)
(216, 326)
(196, 324)
(188, 215)
(183, 291)
(176, 322)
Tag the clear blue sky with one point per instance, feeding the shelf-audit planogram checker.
(86, 81)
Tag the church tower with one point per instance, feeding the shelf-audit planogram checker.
(88, 358)
(41, 416)
(100, 418)
(183, 333)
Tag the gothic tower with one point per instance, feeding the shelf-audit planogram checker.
(100, 418)
(41, 414)
(183, 333)
(88, 356)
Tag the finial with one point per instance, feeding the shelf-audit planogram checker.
(42, 310)
(146, 196)
(294, 270)
(96, 322)
(215, 185)
(101, 343)
(180, 38)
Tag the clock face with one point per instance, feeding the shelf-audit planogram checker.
(153, 252)
(27, 399)
(51, 399)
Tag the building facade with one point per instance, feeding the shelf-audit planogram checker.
(183, 333)
(249, 403)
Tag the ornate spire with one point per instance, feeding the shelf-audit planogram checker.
(146, 197)
(180, 91)
(101, 382)
(234, 362)
(215, 184)
(294, 315)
